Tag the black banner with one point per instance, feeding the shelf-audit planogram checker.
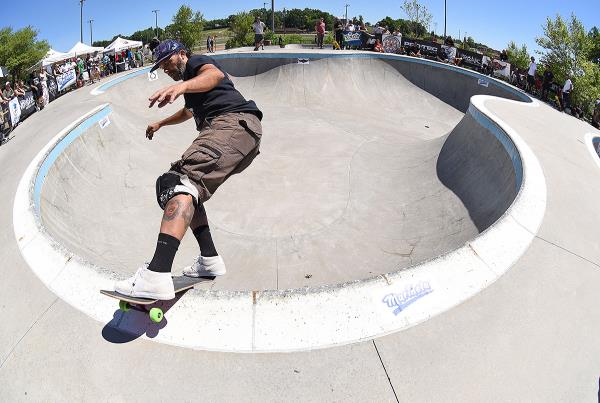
(428, 49)
(27, 103)
(470, 59)
(52, 88)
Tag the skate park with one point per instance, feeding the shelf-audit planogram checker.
(441, 235)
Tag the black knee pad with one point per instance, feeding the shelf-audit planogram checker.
(170, 185)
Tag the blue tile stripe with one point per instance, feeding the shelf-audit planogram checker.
(62, 144)
(119, 80)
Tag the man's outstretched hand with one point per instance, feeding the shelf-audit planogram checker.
(152, 128)
(166, 95)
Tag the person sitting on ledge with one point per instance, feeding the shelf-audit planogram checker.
(449, 55)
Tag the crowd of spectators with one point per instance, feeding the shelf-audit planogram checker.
(88, 68)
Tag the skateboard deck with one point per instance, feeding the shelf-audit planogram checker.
(126, 302)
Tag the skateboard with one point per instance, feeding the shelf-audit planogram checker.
(181, 284)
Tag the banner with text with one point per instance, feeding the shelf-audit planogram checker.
(65, 80)
(15, 111)
(27, 104)
(428, 49)
(52, 88)
(470, 59)
(352, 38)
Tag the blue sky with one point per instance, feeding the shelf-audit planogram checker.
(492, 22)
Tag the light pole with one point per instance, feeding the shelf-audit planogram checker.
(156, 21)
(445, 18)
(81, 21)
(347, 5)
(91, 31)
(284, 20)
(273, 16)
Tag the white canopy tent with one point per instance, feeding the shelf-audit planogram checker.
(120, 44)
(55, 57)
(83, 49)
(49, 56)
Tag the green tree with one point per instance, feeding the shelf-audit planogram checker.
(19, 50)
(594, 36)
(186, 27)
(419, 15)
(145, 35)
(518, 57)
(568, 53)
(241, 31)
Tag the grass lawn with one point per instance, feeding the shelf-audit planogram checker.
(222, 34)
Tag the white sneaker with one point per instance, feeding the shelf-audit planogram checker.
(206, 267)
(147, 284)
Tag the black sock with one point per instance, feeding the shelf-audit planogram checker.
(207, 247)
(166, 248)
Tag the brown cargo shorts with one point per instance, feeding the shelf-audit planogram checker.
(225, 146)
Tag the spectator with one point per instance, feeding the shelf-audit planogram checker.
(112, 67)
(378, 46)
(350, 27)
(577, 112)
(531, 75)
(378, 32)
(106, 64)
(449, 55)
(36, 88)
(280, 42)
(504, 56)
(339, 34)
(566, 95)
(548, 78)
(79, 72)
(208, 44)
(44, 83)
(8, 92)
(259, 33)
(214, 43)
(129, 57)
(89, 67)
(19, 91)
(414, 50)
(320, 28)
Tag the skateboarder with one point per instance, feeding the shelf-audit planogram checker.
(229, 138)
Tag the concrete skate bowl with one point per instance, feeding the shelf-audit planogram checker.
(378, 177)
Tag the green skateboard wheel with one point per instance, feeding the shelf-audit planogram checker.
(156, 315)
(124, 306)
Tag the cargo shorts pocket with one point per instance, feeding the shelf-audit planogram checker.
(199, 160)
(247, 139)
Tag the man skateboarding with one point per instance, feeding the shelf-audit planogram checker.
(228, 141)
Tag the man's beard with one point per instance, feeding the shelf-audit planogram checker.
(178, 75)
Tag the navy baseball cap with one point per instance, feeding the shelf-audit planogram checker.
(164, 50)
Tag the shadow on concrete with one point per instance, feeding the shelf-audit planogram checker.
(128, 326)
(475, 166)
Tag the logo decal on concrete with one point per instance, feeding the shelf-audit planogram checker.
(483, 82)
(153, 76)
(411, 294)
(104, 122)
(303, 61)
